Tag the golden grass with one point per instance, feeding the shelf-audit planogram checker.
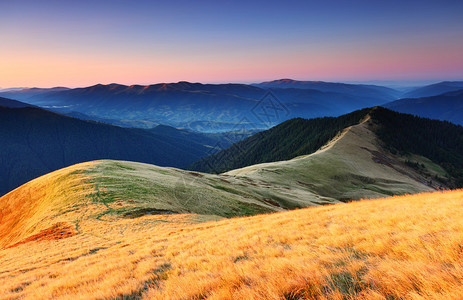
(408, 247)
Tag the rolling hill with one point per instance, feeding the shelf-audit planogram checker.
(35, 142)
(445, 107)
(77, 240)
(205, 107)
(109, 189)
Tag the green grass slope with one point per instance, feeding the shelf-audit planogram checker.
(287, 140)
(352, 166)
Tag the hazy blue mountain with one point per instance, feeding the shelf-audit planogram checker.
(26, 93)
(360, 90)
(434, 89)
(448, 106)
(207, 107)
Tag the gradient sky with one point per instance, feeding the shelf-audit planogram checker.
(79, 43)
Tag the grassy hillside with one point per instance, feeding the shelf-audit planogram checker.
(353, 165)
(285, 141)
(405, 247)
(345, 170)
(107, 189)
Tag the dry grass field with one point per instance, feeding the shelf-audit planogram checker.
(406, 247)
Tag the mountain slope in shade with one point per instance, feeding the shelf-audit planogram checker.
(35, 142)
(435, 89)
(4, 102)
(445, 107)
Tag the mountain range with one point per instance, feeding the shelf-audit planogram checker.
(220, 107)
(241, 109)
(206, 107)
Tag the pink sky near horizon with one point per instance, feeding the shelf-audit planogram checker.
(50, 69)
(51, 45)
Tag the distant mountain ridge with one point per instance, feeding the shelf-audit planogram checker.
(25, 93)
(434, 89)
(207, 107)
(361, 90)
(444, 107)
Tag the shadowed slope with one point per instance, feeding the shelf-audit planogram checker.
(34, 142)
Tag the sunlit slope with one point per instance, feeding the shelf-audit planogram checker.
(118, 189)
(406, 247)
(351, 166)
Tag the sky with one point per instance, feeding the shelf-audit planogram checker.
(50, 43)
